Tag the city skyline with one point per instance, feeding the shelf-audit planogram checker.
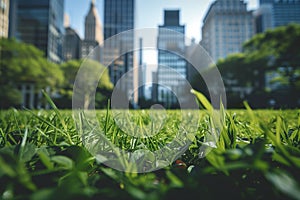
(192, 13)
(150, 15)
(226, 26)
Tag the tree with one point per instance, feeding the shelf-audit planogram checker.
(23, 63)
(90, 73)
(274, 52)
(279, 50)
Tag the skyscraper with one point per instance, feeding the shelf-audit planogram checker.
(141, 71)
(274, 13)
(171, 67)
(39, 23)
(226, 26)
(71, 45)
(189, 51)
(93, 32)
(119, 17)
(93, 27)
(154, 88)
(4, 18)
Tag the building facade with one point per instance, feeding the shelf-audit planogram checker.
(226, 26)
(93, 35)
(274, 13)
(39, 23)
(119, 17)
(71, 44)
(171, 67)
(189, 51)
(4, 18)
(93, 27)
(142, 72)
(154, 87)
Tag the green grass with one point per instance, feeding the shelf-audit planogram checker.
(257, 156)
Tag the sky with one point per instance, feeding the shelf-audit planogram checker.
(149, 13)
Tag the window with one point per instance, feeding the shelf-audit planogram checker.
(2, 5)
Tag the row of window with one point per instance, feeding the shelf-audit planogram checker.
(234, 31)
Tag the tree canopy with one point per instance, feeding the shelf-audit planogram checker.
(279, 49)
(23, 63)
(70, 70)
(104, 86)
(269, 65)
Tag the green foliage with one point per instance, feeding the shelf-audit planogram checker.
(9, 96)
(256, 156)
(241, 71)
(70, 70)
(23, 63)
(276, 53)
(280, 50)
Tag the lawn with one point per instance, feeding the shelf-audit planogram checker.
(47, 155)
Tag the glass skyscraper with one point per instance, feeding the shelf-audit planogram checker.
(119, 17)
(39, 23)
(274, 13)
(171, 67)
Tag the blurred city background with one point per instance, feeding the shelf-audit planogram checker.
(254, 44)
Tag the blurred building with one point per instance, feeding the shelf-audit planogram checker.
(119, 17)
(93, 28)
(274, 13)
(171, 67)
(191, 71)
(226, 26)
(93, 36)
(154, 88)
(71, 45)
(39, 23)
(4, 18)
(142, 72)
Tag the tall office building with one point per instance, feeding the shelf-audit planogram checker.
(71, 44)
(154, 88)
(171, 67)
(4, 18)
(226, 26)
(119, 17)
(93, 33)
(142, 72)
(189, 52)
(39, 23)
(274, 13)
(93, 27)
